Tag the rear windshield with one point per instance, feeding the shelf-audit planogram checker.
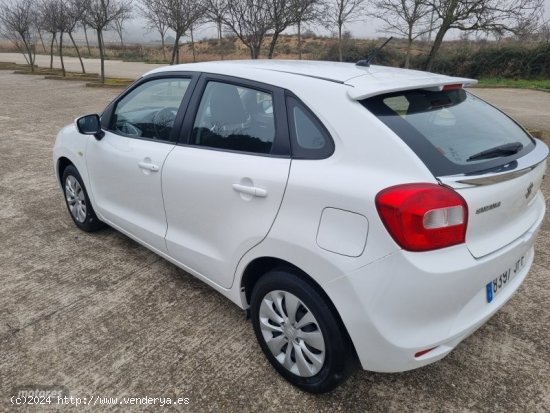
(453, 131)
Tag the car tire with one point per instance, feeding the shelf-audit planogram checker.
(300, 333)
(78, 202)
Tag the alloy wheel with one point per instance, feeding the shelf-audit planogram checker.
(76, 200)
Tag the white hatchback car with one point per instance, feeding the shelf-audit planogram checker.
(357, 213)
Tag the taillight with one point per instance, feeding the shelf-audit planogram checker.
(422, 217)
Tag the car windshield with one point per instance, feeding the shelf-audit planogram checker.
(452, 131)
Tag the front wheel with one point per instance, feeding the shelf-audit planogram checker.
(299, 333)
(78, 202)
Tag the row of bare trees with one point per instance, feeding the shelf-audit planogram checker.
(24, 22)
(252, 21)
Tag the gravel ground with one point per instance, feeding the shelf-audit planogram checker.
(102, 316)
(531, 107)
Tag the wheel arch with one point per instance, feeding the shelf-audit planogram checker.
(62, 163)
(260, 266)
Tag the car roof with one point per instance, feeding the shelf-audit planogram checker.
(362, 81)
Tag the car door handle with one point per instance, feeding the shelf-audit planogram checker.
(148, 166)
(250, 190)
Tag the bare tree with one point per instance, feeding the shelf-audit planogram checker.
(74, 11)
(282, 15)
(408, 18)
(99, 15)
(85, 29)
(17, 24)
(215, 11)
(250, 20)
(180, 15)
(154, 15)
(63, 23)
(341, 12)
(492, 16)
(306, 11)
(47, 18)
(120, 20)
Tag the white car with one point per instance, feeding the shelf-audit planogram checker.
(358, 213)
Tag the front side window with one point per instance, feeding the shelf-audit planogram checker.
(452, 131)
(149, 111)
(234, 118)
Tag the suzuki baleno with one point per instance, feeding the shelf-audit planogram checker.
(359, 214)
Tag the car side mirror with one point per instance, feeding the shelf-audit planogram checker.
(90, 125)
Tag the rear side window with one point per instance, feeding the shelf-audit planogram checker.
(453, 132)
(235, 118)
(310, 139)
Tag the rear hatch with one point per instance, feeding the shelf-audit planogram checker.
(469, 145)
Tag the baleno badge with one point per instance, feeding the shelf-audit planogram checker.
(488, 207)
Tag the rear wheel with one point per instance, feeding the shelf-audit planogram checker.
(299, 333)
(78, 202)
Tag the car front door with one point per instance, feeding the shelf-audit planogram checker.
(125, 166)
(224, 184)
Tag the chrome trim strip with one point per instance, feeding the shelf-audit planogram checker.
(523, 166)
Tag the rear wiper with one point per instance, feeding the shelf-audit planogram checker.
(501, 150)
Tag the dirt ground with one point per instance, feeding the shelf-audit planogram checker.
(102, 316)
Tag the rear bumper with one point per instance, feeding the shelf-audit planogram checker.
(408, 302)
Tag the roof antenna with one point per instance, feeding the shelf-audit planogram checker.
(372, 55)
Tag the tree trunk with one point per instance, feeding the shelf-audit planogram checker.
(176, 52)
(32, 56)
(163, 46)
(22, 51)
(272, 44)
(87, 42)
(340, 55)
(51, 50)
(408, 56)
(28, 52)
(192, 43)
(299, 40)
(255, 50)
(42, 40)
(435, 47)
(121, 40)
(101, 57)
(77, 52)
(61, 53)
(220, 38)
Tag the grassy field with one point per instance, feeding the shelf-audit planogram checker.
(518, 83)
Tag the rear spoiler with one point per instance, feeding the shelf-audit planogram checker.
(364, 87)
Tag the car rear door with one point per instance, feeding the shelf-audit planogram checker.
(477, 150)
(224, 184)
(125, 166)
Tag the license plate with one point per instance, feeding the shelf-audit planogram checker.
(495, 286)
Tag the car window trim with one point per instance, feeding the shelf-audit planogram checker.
(281, 141)
(108, 113)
